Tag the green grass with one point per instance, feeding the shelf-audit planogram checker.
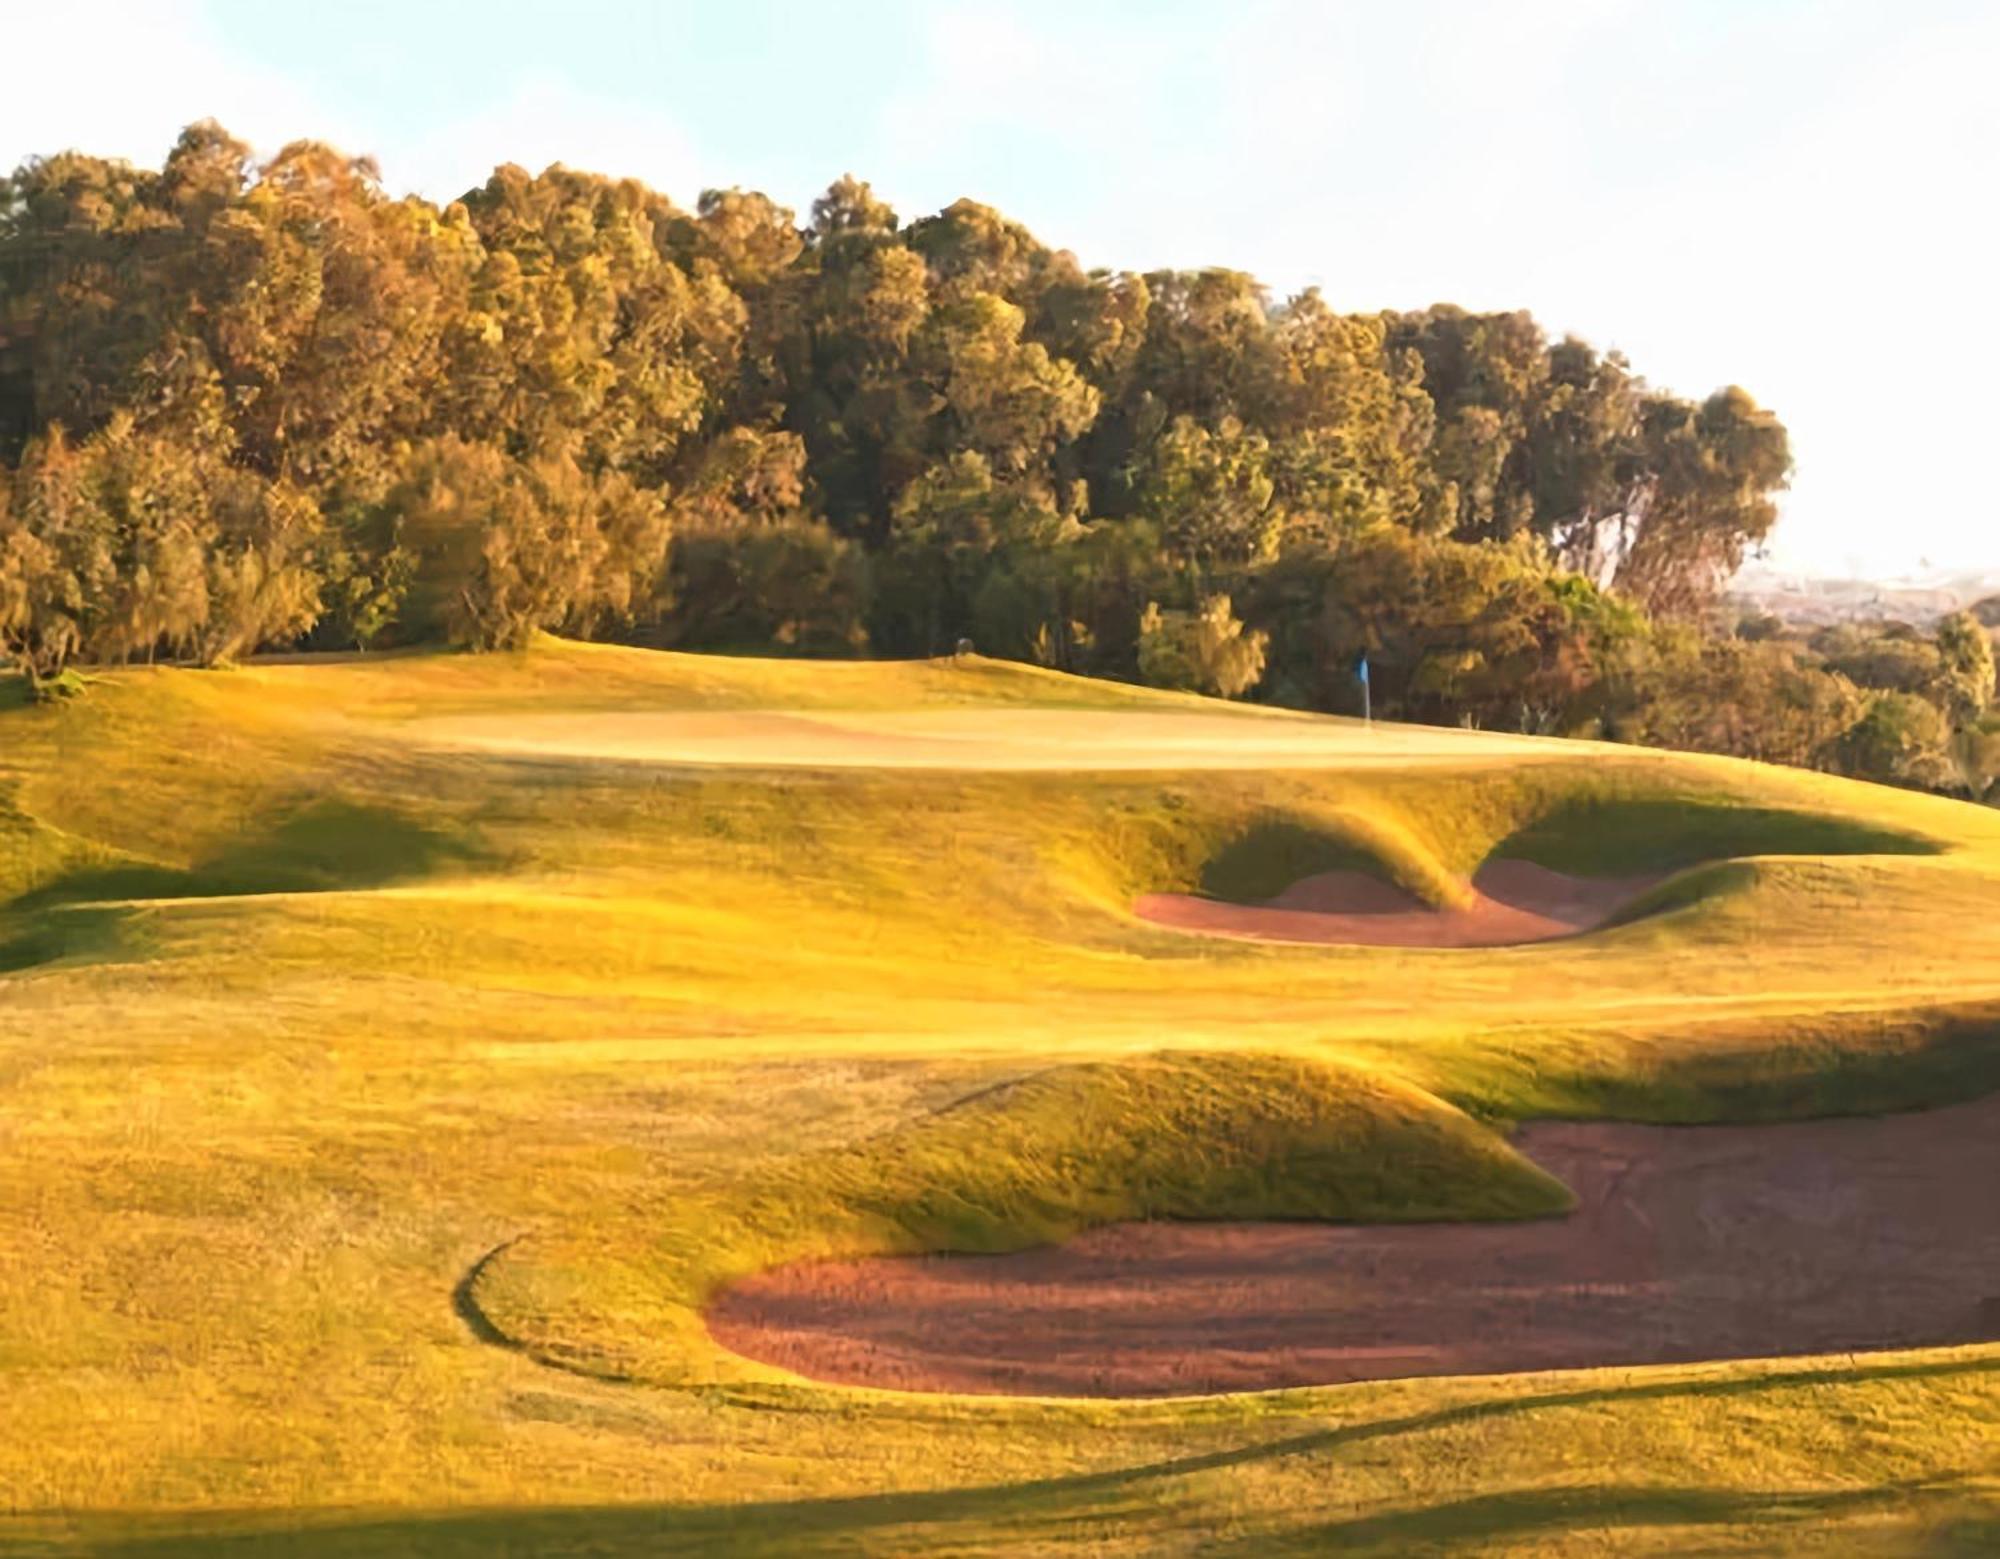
(336, 1063)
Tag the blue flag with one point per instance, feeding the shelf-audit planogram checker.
(1361, 671)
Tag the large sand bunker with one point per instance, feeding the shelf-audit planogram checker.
(1688, 1243)
(1513, 901)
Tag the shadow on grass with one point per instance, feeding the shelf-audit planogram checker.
(1271, 855)
(1041, 1512)
(323, 846)
(1612, 836)
(465, 1302)
(83, 931)
(1473, 1524)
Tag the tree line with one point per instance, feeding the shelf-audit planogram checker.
(250, 405)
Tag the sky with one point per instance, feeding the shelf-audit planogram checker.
(1798, 196)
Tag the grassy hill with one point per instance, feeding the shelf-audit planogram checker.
(397, 1051)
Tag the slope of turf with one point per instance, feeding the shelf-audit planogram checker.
(337, 1057)
(1027, 1162)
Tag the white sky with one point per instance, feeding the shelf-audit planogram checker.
(1793, 195)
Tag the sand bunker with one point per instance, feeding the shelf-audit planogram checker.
(1514, 901)
(1688, 1243)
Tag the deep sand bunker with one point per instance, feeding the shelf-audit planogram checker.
(1688, 1243)
(1513, 901)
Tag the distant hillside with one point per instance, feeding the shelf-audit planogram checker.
(1801, 600)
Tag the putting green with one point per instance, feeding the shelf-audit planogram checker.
(976, 739)
(400, 1051)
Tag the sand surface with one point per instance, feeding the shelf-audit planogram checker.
(1688, 1243)
(1514, 901)
(985, 739)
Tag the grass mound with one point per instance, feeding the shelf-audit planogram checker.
(1031, 1162)
(1273, 853)
(1234, 847)
(1430, 838)
(84, 932)
(652, 1027)
(1181, 1136)
(36, 858)
(1614, 836)
(1741, 1068)
(326, 844)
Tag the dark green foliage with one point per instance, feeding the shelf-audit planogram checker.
(248, 406)
(1204, 650)
(1889, 658)
(1900, 740)
(788, 585)
(1964, 685)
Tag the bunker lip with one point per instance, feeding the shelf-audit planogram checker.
(1513, 902)
(1688, 1243)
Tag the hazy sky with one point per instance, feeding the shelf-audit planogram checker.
(1795, 195)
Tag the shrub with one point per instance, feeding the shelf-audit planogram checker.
(1203, 651)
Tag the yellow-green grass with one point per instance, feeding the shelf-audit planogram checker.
(378, 1113)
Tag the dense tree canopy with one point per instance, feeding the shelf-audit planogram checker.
(247, 405)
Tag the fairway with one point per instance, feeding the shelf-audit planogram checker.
(406, 1055)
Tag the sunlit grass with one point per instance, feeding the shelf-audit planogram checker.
(300, 1019)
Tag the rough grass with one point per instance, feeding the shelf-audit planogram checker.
(362, 1013)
